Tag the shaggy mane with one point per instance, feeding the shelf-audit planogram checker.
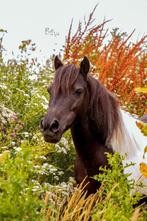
(65, 78)
(103, 110)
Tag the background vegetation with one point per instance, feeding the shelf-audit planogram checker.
(36, 178)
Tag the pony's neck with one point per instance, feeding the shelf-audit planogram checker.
(80, 130)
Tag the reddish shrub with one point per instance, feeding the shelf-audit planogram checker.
(119, 64)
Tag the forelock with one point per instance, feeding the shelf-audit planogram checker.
(65, 78)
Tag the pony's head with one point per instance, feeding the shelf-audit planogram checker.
(68, 99)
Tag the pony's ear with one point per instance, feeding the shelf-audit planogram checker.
(84, 66)
(57, 63)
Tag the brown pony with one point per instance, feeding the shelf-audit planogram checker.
(81, 103)
(98, 125)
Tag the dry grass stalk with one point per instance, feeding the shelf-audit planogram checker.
(78, 207)
(136, 214)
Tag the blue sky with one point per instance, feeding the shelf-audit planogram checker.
(28, 19)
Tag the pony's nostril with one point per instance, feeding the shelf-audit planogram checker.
(54, 127)
(43, 125)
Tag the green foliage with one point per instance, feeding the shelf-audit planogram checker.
(117, 202)
(36, 178)
(112, 202)
(28, 165)
(19, 191)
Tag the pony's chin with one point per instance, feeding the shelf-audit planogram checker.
(52, 139)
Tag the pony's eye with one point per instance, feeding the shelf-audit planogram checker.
(78, 92)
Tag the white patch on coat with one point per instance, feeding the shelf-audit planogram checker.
(128, 140)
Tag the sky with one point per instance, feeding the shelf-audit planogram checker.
(46, 22)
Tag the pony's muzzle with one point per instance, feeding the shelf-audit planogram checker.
(51, 130)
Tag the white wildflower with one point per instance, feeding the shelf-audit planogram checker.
(3, 86)
(13, 143)
(17, 149)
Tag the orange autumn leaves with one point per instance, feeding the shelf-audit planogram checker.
(143, 166)
(143, 169)
(119, 64)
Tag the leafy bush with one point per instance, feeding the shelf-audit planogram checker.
(28, 166)
(111, 202)
(19, 191)
(36, 178)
